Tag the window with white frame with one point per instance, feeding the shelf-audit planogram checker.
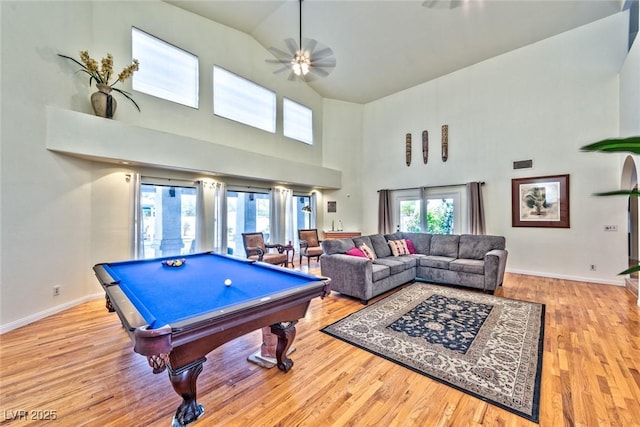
(297, 121)
(243, 101)
(166, 71)
(441, 212)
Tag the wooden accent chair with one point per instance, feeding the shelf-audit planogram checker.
(309, 244)
(256, 249)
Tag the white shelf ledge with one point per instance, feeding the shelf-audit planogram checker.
(95, 138)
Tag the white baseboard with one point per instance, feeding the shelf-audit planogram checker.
(48, 312)
(616, 282)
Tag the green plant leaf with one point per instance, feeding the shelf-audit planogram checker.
(632, 193)
(628, 145)
(126, 95)
(630, 270)
(74, 60)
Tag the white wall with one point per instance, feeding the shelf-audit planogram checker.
(342, 150)
(541, 102)
(61, 215)
(630, 92)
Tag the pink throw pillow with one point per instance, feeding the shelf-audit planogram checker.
(412, 249)
(355, 252)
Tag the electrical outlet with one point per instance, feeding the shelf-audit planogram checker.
(56, 290)
(592, 267)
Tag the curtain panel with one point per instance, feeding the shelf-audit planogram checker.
(385, 225)
(475, 206)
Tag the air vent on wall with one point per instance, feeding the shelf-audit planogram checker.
(523, 164)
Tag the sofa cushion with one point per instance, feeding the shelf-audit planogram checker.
(379, 272)
(398, 247)
(358, 241)
(436, 261)
(380, 245)
(421, 241)
(355, 252)
(410, 247)
(476, 246)
(473, 266)
(395, 267)
(394, 236)
(337, 246)
(369, 253)
(409, 261)
(444, 245)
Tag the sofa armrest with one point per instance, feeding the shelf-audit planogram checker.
(495, 262)
(350, 275)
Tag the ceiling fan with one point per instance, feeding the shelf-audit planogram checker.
(306, 60)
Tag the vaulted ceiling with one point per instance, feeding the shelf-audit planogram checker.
(384, 46)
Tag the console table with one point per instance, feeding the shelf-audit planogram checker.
(340, 234)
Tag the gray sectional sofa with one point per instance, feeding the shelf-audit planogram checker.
(474, 261)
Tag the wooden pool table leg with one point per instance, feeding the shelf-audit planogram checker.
(183, 381)
(286, 332)
(108, 304)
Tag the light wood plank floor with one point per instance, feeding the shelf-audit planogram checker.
(80, 364)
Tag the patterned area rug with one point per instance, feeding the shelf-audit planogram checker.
(487, 346)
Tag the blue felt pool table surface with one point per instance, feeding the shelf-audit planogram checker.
(165, 295)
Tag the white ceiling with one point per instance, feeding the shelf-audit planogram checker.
(384, 46)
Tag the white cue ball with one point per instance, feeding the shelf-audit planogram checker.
(227, 282)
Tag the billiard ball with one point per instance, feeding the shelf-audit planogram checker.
(227, 282)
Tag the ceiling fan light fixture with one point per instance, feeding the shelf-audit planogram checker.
(301, 63)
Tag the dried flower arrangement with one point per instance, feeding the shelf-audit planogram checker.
(102, 72)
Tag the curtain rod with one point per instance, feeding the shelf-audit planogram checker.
(433, 186)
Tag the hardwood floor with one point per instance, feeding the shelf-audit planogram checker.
(80, 364)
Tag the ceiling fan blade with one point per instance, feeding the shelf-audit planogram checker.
(318, 72)
(292, 76)
(324, 63)
(282, 69)
(442, 4)
(309, 77)
(280, 54)
(322, 53)
(309, 45)
(277, 61)
(291, 45)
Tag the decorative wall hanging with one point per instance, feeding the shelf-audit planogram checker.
(445, 142)
(407, 146)
(540, 201)
(332, 207)
(425, 146)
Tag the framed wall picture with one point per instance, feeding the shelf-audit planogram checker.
(332, 207)
(540, 201)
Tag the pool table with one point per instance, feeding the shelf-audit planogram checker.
(177, 314)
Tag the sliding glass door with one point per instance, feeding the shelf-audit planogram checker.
(247, 212)
(168, 214)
